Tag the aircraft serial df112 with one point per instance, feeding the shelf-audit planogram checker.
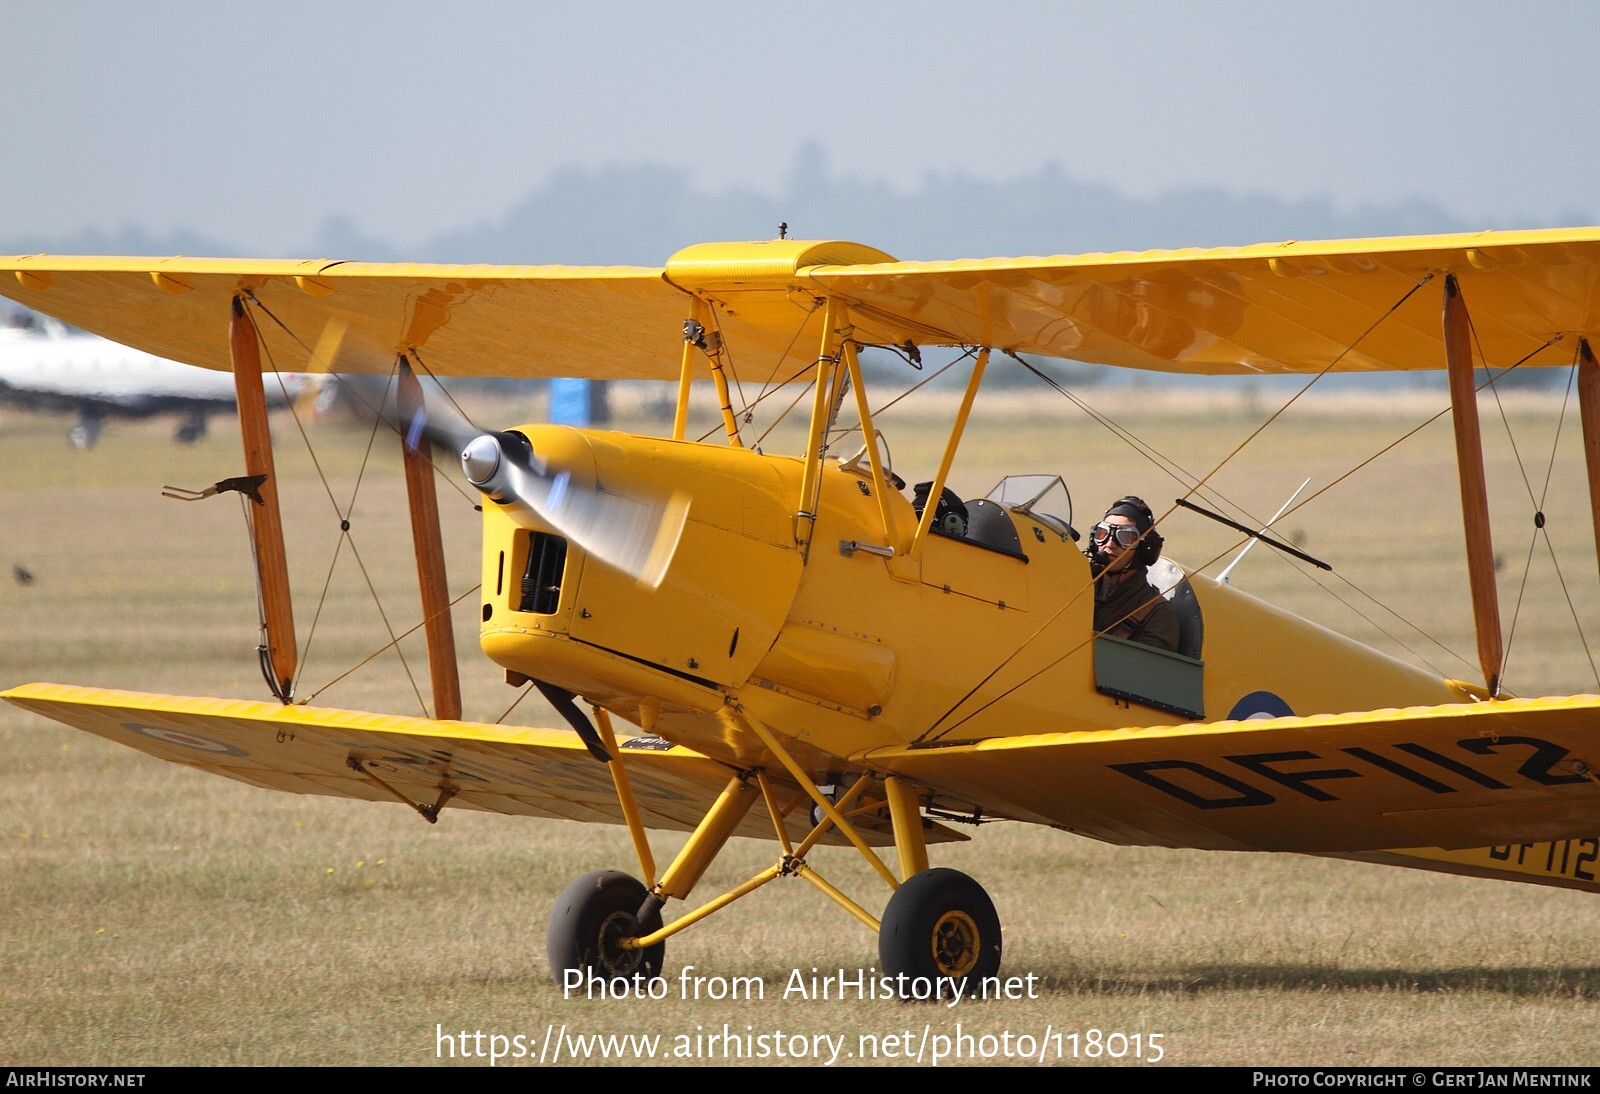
(810, 656)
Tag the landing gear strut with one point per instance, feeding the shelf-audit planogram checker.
(940, 928)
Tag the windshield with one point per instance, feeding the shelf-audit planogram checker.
(1043, 497)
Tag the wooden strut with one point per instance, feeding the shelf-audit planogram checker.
(266, 522)
(1589, 413)
(429, 547)
(1474, 490)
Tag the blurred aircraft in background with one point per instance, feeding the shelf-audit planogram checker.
(47, 365)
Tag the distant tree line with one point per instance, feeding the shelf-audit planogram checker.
(640, 214)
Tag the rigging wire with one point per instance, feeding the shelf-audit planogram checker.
(795, 376)
(1048, 665)
(1164, 463)
(804, 391)
(345, 514)
(344, 535)
(967, 353)
(438, 472)
(809, 311)
(747, 407)
(527, 690)
(1184, 477)
(1199, 569)
(1540, 524)
(1198, 485)
(1358, 467)
(956, 706)
(1307, 387)
(389, 627)
(380, 650)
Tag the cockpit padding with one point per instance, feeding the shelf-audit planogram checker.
(1166, 576)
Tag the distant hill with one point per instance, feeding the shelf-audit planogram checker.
(639, 214)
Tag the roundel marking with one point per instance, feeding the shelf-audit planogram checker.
(1259, 705)
(187, 740)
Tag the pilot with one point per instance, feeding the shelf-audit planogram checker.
(1126, 605)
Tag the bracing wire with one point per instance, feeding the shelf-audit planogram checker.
(381, 649)
(1195, 488)
(345, 513)
(747, 406)
(1540, 524)
(527, 689)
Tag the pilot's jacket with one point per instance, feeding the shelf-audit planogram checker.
(1144, 614)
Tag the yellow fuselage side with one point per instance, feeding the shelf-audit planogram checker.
(845, 650)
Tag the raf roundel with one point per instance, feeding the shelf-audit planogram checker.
(187, 740)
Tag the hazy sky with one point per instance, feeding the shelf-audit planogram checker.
(255, 123)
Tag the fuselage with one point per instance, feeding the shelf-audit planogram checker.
(843, 649)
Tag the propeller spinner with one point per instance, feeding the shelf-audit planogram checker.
(637, 536)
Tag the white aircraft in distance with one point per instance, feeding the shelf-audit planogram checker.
(47, 365)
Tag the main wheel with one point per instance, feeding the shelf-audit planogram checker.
(942, 927)
(590, 919)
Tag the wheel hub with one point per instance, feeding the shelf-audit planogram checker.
(955, 944)
(613, 958)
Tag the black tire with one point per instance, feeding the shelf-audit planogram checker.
(942, 927)
(590, 918)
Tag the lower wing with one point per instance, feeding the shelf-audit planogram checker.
(1467, 776)
(428, 764)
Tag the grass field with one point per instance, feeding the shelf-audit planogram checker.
(157, 916)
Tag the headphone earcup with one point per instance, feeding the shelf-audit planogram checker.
(1150, 548)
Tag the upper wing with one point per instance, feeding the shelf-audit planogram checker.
(1282, 307)
(1276, 307)
(606, 322)
(498, 769)
(1456, 776)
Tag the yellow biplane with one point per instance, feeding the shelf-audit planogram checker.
(808, 654)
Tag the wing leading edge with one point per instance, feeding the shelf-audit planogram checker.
(1280, 307)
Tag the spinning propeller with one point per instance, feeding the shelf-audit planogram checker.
(637, 536)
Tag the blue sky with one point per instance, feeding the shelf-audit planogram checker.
(257, 123)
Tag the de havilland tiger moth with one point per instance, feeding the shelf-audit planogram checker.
(789, 647)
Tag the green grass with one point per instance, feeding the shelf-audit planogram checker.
(157, 916)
